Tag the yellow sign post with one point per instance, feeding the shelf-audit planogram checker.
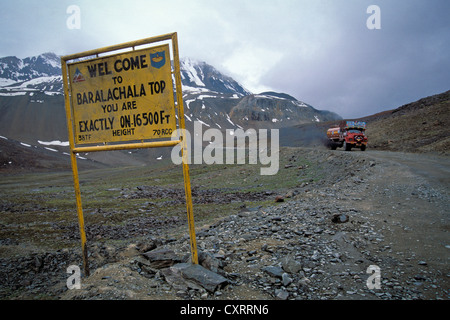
(125, 97)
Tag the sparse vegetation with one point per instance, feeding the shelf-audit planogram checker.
(45, 203)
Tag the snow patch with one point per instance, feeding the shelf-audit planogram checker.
(268, 97)
(189, 68)
(299, 104)
(229, 120)
(188, 102)
(200, 97)
(6, 82)
(39, 80)
(51, 93)
(54, 143)
(203, 122)
(11, 94)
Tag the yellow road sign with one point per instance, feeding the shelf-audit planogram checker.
(123, 97)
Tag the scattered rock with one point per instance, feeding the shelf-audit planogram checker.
(174, 277)
(286, 279)
(281, 294)
(274, 271)
(340, 218)
(289, 194)
(147, 246)
(194, 276)
(208, 261)
(162, 258)
(290, 265)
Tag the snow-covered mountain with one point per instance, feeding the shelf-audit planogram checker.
(197, 74)
(32, 100)
(13, 69)
(31, 75)
(43, 74)
(218, 101)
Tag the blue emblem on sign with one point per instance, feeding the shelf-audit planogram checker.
(158, 59)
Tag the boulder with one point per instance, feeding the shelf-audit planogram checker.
(162, 258)
(340, 218)
(193, 276)
(290, 265)
(274, 271)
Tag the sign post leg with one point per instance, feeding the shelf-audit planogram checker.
(184, 150)
(73, 160)
(190, 213)
(76, 183)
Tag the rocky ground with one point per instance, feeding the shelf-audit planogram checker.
(320, 239)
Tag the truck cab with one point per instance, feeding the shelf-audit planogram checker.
(349, 134)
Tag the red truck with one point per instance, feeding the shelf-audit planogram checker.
(349, 134)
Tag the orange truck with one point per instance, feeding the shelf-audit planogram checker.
(349, 134)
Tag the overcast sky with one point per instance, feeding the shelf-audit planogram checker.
(320, 52)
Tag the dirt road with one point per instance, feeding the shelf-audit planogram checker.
(407, 198)
(435, 169)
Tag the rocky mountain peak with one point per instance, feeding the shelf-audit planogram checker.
(43, 65)
(199, 74)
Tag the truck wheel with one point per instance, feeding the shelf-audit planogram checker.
(363, 148)
(347, 147)
(333, 146)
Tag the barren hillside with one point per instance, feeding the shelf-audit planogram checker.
(421, 126)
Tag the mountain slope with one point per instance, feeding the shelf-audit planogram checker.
(275, 110)
(420, 126)
(18, 156)
(32, 101)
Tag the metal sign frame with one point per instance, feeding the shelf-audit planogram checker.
(123, 97)
(74, 149)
